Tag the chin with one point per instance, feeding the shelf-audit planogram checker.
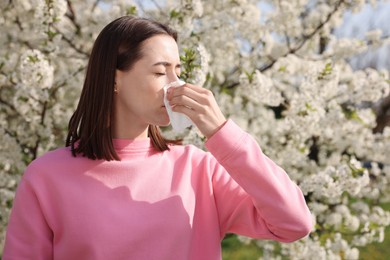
(165, 124)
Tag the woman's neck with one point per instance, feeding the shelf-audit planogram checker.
(123, 129)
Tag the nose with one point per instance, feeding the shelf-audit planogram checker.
(172, 77)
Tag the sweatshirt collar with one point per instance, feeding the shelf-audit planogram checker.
(132, 145)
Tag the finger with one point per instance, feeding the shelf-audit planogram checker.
(196, 93)
(196, 88)
(205, 95)
(189, 112)
(186, 101)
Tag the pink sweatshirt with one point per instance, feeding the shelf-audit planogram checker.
(175, 204)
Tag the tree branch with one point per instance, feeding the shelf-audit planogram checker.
(307, 36)
(71, 44)
(383, 115)
(318, 28)
(72, 17)
(3, 102)
(95, 5)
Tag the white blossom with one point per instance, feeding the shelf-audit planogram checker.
(260, 89)
(200, 72)
(35, 70)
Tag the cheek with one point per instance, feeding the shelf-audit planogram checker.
(144, 94)
(155, 90)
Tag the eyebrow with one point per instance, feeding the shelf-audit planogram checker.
(166, 64)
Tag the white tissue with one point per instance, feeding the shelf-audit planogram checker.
(179, 121)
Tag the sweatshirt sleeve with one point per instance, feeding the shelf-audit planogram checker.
(254, 196)
(28, 235)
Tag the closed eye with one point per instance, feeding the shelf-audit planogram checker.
(163, 74)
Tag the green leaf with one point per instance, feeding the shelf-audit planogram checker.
(188, 62)
(352, 115)
(326, 71)
(308, 109)
(174, 14)
(132, 10)
(51, 34)
(33, 58)
(56, 19)
(250, 75)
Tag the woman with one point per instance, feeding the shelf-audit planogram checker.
(119, 190)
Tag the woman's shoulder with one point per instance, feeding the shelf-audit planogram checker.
(53, 156)
(56, 160)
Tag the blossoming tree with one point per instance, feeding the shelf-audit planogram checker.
(276, 69)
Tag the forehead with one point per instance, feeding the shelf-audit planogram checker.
(160, 47)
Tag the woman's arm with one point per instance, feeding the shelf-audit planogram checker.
(28, 235)
(254, 196)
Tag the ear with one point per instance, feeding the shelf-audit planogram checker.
(118, 80)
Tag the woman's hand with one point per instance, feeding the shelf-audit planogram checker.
(199, 105)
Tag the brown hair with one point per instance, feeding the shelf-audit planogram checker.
(118, 46)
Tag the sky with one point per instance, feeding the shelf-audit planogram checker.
(357, 24)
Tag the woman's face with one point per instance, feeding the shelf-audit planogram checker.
(139, 99)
